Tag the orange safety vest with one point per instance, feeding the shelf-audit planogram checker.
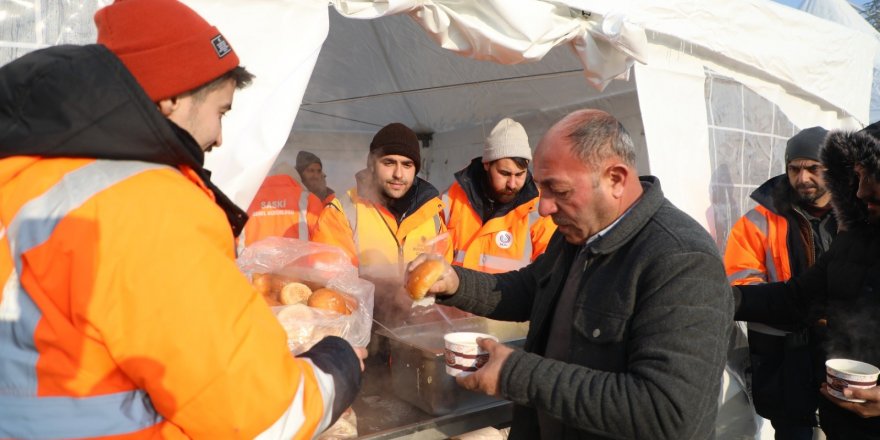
(373, 239)
(757, 251)
(123, 313)
(278, 210)
(501, 244)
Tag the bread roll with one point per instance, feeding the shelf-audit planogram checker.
(423, 277)
(262, 282)
(295, 293)
(329, 299)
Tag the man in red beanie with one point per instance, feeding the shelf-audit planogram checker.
(390, 217)
(123, 313)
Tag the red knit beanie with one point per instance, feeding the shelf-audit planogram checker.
(165, 45)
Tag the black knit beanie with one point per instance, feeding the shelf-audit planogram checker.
(396, 138)
(806, 144)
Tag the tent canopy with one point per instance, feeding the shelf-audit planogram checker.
(451, 69)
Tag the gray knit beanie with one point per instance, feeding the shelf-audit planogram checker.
(805, 144)
(507, 139)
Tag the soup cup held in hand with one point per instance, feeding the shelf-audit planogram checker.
(847, 373)
(463, 355)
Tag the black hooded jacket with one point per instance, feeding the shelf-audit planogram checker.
(844, 283)
(474, 182)
(81, 101)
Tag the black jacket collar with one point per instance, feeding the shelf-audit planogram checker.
(635, 220)
(474, 181)
(81, 101)
(420, 192)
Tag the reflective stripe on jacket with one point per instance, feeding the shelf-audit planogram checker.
(501, 244)
(278, 209)
(373, 239)
(757, 249)
(123, 313)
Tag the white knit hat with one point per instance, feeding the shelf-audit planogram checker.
(507, 139)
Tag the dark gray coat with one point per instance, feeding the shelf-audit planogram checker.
(649, 340)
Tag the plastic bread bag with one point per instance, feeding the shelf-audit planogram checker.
(313, 289)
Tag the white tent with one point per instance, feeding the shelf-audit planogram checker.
(717, 89)
(843, 13)
(722, 85)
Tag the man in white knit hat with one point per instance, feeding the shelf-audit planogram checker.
(493, 218)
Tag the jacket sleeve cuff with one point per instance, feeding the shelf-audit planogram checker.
(515, 378)
(334, 356)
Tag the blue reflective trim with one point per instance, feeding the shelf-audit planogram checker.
(32, 225)
(71, 417)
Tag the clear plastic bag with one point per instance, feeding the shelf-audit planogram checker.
(275, 262)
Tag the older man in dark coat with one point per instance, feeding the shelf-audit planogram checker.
(629, 306)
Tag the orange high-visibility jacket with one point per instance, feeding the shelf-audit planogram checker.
(757, 251)
(123, 313)
(371, 236)
(281, 208)
(501, 244)
(772, 242)
(130, 320)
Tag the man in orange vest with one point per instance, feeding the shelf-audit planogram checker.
(785, 234)
(388, 219)
(493, 218)
(281, 208)
(123, 314)
(311, 171)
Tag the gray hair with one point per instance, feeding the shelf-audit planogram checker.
(596, 136)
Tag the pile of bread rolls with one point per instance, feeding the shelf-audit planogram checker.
(279, 290)
(305, 317)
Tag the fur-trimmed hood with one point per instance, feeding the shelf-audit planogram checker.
(841, 152)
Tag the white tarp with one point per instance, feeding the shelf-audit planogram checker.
(841, 12)
(798, 55)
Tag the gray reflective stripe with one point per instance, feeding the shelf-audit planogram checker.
(32, 225)
(437, 223)
(350, 212)
(758, 220)
(746, 273)
(447, 207)
(533, 218)
(70, 417)
(303, 220)
(772, 273)
(501, 263)
(458, 256)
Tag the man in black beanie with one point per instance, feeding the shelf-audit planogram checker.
(785, 234)
(842, 286)
(390, 217)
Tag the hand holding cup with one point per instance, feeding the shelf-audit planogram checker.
(852, 385)
(488, 377)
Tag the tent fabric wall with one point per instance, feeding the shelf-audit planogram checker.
(280, 42)
(841, 12)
